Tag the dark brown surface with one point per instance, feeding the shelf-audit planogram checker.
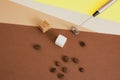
(100, 58)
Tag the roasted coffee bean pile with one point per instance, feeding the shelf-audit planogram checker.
(61, 70)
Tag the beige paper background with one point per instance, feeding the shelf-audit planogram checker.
(95, 24)
(18, 14)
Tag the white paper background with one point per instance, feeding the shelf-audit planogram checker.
(95, 24)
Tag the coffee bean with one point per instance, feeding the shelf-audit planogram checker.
(57, 63)
(65, 58)
(60, 75)
(82, 43)
(36, 46)
(52, 69)
(81, 69)
(75, 60)
(64, 69)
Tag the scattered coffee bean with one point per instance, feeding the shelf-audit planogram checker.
(75, 60)
(52, 69)
(57, 63)
(82, 43)
(65, 58)
(60, 75)
(36, 46)
(81, 69)
(64, 69)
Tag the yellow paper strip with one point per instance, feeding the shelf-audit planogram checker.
(88, 7)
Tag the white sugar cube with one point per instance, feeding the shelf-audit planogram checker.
(61, 40)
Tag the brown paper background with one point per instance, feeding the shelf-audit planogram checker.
(19, 61)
